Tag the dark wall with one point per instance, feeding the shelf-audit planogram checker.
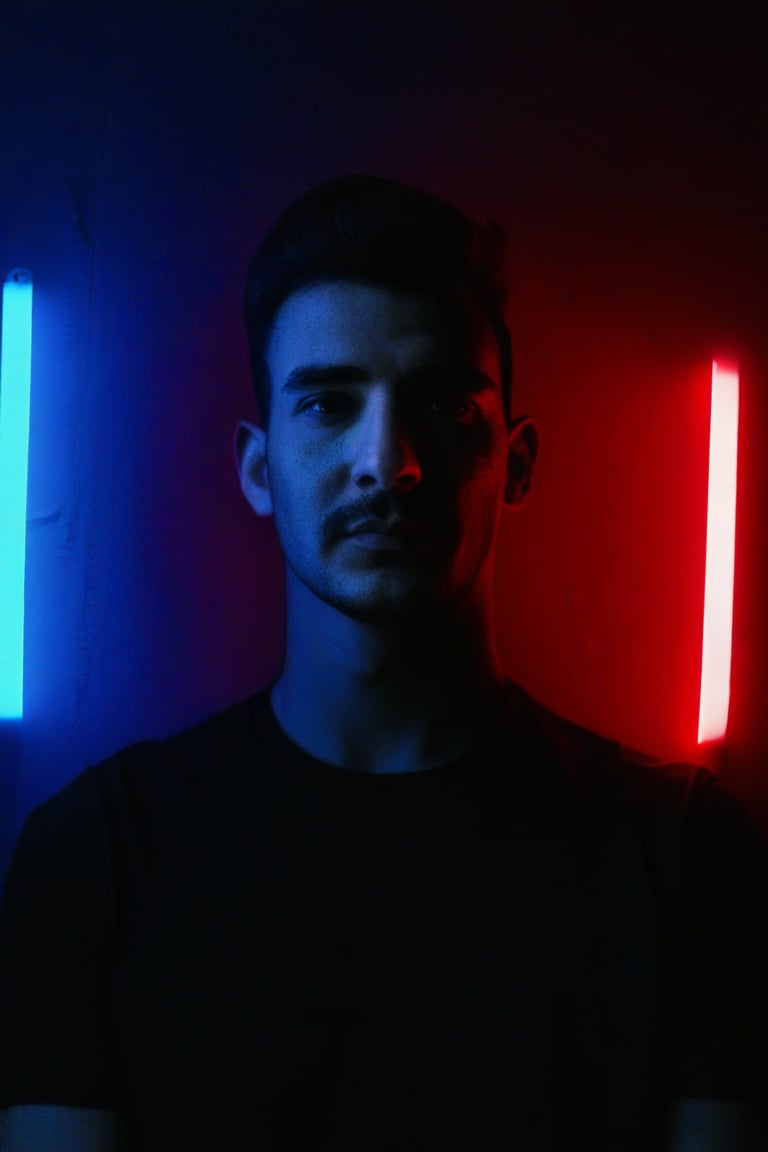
(145, 146)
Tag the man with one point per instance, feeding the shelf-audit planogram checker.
(391, 901)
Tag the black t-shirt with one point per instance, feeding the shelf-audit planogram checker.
(241, 947)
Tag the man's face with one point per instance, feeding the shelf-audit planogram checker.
(388, 411)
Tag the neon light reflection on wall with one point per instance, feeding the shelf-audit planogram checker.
(15, 371)
(721, 541)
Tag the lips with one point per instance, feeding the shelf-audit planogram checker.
(387, 538)
(386, 528)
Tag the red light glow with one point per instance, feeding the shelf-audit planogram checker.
(721, 540)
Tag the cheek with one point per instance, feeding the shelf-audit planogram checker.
(313, 461)
(482, 500)
(482, 491)
(302, 485)
(483, 472)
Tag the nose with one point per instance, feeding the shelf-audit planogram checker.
(384, 454)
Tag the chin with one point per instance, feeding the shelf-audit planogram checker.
(390, 616)
(395, 608)
(391, 599)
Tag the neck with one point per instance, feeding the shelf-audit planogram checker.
(383, 697)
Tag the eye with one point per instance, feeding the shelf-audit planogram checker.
(327, 404)
(452, 404)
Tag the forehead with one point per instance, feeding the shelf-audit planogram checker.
(378, 327)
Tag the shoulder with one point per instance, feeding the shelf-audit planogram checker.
(687, 822)
(140, 789)
(604, 768)
(178, 760)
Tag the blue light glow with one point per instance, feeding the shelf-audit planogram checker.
(15, 371)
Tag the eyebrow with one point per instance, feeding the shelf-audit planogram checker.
(458, 376)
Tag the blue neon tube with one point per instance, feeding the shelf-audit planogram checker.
(15, 372)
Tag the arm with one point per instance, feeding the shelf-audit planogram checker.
(55, 1038)
(46, 1128)
(719, 1065)
(711, 1126)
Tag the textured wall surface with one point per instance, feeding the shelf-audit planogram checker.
(144, 147)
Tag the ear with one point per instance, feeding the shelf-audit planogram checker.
(251, 458)
(523, 446)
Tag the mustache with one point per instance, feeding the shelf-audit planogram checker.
(378, 506)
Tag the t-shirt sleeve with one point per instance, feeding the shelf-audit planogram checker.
(55, 1035)
(721, 1004)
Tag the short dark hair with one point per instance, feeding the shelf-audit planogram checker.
(370, 228)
